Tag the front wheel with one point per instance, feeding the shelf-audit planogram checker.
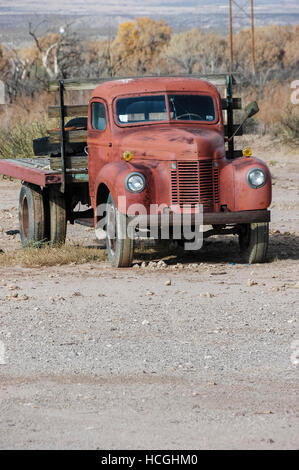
(120, 246)
(253, 241)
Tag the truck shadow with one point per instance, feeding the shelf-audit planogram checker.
(221, 250)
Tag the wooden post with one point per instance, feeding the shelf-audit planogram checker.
(62, 135)
(230, 115)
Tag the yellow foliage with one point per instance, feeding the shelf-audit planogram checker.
(138, 44)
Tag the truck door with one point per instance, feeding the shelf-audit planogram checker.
(98, 140)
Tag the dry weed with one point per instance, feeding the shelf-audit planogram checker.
(32, 257)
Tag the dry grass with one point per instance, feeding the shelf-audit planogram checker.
(278, 117)
(33, 257)
(21, 122)
(16, 141)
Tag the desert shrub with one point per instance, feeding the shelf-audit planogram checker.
(278, 116)
(16, 140)
(287, 128)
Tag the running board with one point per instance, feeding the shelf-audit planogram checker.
(85, 221)
(83, 218)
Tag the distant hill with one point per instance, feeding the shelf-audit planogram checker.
(97, 18)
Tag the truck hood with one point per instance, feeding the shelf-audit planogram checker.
(173, 142)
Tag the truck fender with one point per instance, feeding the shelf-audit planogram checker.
(112, 176)
(236, 193)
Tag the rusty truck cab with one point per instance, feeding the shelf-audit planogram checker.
(160, 142)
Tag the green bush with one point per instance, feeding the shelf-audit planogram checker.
(16, 140)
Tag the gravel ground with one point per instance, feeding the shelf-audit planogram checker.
(197, 354)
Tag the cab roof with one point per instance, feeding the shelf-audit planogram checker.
(127, 86)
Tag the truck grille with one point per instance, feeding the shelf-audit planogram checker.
(195, 182)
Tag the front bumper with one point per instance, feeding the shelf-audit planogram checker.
(210, 218)
(241, 217)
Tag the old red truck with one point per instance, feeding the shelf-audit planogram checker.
(162, 142)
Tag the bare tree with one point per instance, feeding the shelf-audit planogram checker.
(45, 50)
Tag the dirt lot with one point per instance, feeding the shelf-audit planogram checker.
(121, 359)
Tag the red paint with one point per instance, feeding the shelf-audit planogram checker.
(30, 175)
(155, 145)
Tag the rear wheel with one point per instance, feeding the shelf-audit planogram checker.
(120, 246)
(31, 214)
(253, 241)
(57, 212)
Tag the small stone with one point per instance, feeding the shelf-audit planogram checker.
(251, 282)
(168, 283)
(76, 294)
(152, 265)
(23, 297)
(136, 266)
(149, 293)
(274, 289)
(12, 296)
(145, 322)
(143, 264)
(161, 264)
(12, 287)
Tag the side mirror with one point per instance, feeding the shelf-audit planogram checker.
(252, 109)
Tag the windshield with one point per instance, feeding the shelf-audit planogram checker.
(190, 107)
(141, 108)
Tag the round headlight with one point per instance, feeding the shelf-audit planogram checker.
(256, 178)
(135, 182)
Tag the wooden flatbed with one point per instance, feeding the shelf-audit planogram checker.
(40, 171)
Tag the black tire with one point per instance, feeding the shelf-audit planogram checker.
(120, 249)
(31, 214)
(57, 213)
(253, 241)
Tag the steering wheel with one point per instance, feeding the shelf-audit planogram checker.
(190, 114)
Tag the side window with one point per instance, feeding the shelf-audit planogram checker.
(98, 116)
